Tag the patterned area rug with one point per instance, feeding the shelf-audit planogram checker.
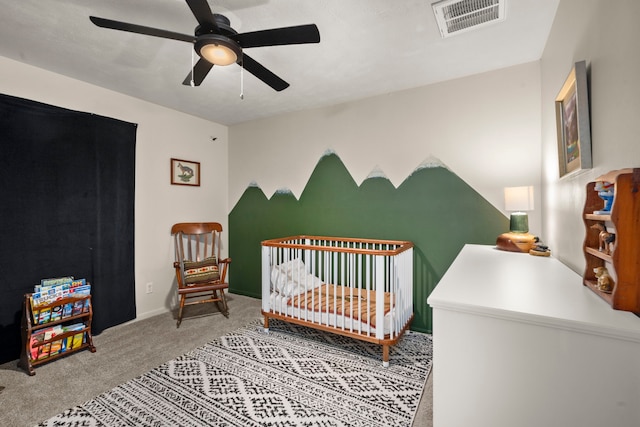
(291, 376)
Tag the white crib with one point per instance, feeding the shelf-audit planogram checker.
(361, 288)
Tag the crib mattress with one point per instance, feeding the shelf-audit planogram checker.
(358, 304)
(305, 307)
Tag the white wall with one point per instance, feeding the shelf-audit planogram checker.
(485, 128)
(162, 134)
(605, 34)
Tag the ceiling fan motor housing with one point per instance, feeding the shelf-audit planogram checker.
(223, 23)
(213, 44)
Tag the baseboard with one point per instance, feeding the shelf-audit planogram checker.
(148, 314)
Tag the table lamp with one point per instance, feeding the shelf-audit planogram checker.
(517, 200)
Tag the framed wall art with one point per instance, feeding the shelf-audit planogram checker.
(573, 123)
(185, 172)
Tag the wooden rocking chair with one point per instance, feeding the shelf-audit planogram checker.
(200, 272)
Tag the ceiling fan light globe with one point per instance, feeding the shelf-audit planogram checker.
(218, 55)
(217, 49)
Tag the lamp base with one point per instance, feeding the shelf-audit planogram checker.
(516, 242)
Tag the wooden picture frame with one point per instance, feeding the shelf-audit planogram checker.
(185, 172)
(573, 123)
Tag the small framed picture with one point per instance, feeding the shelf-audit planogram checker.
(185, 172)
(573, 124)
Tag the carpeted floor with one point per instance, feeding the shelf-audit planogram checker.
(126, 352)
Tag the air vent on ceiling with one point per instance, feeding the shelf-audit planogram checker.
(458, 16)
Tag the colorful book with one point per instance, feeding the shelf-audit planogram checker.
(56, 347)
(78, 282)
(73, 341)
(50, 295)
(77, 340)
(36, 339)
(52, 332)
(35, 312)
(52, 290)
(43, 351)
(67, 310)
(44, 315)
(41, 298)
(56, 313)
(80, 291)
(78, 306)
(74, 327)
(56, 281)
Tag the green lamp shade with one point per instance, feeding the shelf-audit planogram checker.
(519, 222)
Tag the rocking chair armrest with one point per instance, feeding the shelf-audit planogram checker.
(179, 277)
(223, 274)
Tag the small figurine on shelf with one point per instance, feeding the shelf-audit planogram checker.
(605, 239)
(605, 282)
(605, 192)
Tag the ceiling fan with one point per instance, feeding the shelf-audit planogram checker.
(218, 44)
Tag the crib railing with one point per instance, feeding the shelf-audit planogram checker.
(360, 269)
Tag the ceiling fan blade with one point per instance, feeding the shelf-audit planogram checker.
(202, 12)
(200, 71)
(300, 34)
(258, 70)
(139, 29)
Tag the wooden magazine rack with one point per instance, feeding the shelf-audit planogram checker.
(38, 347)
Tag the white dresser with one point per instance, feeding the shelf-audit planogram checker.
(519, 341)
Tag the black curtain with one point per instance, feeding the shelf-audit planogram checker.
(66, 209)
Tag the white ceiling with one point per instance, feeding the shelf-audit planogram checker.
(367, 48)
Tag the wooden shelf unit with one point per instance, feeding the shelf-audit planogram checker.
(31, 328)
(623, 263)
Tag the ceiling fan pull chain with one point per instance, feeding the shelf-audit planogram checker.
(242, 81)
(192, 83)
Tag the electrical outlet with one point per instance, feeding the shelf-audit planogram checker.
(149, 287)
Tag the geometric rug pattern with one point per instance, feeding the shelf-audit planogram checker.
(290, 376)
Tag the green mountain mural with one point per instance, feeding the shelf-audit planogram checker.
(433, 208)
